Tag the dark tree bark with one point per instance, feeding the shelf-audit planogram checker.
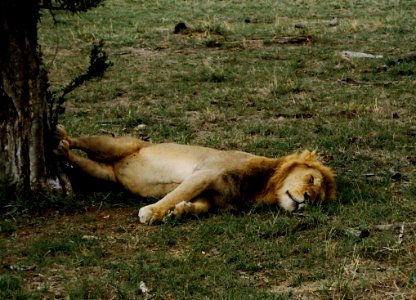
(23, 103)
(27, 110)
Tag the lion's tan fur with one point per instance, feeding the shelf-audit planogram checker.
(192, 179)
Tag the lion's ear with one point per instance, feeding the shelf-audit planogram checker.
(308, 155)
(311, 179)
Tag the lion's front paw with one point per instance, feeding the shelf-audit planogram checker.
(150, 215)
(63, 149)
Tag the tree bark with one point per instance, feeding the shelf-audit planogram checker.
(23, 102)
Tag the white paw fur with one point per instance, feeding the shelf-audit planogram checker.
(145, 214)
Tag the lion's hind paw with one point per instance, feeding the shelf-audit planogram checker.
(63, 149)
(61, 133)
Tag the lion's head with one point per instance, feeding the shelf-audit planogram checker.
(303, 180)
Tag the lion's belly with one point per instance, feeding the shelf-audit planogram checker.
(154, 173)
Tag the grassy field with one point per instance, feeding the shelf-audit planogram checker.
(267, 77)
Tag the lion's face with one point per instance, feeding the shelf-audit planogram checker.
(302, 186)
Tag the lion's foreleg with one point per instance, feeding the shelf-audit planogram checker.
(188, 190)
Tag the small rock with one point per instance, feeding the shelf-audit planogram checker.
(143, 288)
(140, 127)
(89, 237)
(333, 22)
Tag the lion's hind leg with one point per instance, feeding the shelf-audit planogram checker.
(107, 148)
(93, 168)
(102, 148)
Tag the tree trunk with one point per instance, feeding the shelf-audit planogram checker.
(23, 103)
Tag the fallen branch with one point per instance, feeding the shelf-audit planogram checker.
(353, 54)
(393, 226)
(294, 40)
(351, 81)
(400, 236)
(405, 58)
(363, 233)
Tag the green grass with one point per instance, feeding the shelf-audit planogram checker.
(231, 82)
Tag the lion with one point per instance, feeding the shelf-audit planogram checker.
(193, 179)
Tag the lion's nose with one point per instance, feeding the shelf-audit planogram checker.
(307, 197)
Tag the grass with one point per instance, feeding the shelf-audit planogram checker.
(234, 79)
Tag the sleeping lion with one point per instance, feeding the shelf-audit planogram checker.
(194, 179)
